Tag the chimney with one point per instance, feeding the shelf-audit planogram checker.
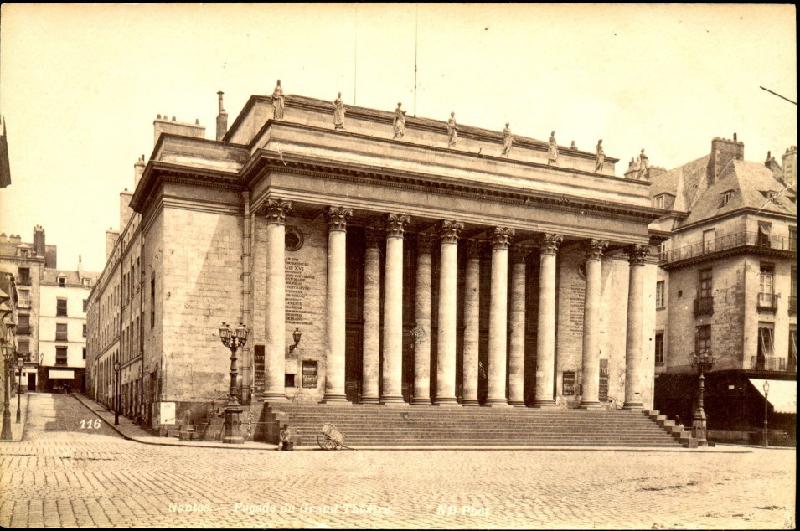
(162, 124)
(138, 171)
(222, 118)
(111, 239)
(80, 267)
(723, 153)
(790, 167)
(38, 240)
(773, 165)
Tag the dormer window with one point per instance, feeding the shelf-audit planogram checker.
(62, 282)
(725, 197)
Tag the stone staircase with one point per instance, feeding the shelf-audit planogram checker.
(421, 426)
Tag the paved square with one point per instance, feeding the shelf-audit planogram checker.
(64, 475)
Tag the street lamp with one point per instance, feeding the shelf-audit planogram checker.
(766, 405)
(702, 361)
(116, 393)
(7, 359)
(234, 339)
(20, 363)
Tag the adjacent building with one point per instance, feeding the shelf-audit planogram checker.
(50, 312)
(728, 284)
(374, 258)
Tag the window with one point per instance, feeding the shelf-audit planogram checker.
(85, 304)
(61, 332)
(792, 358)
(84, 330)
(61, 355)
(568, 383)
(709, 238)
(659, 348)
(23, 298)
(23, 346)
(703, 339)
(84, 352)
(766, 334)
(289, 382)
(725, 197)
(660, 295)
(152, 301)
(86, 282)
(662, 250)
(660, 201)
(792, 238)
(705, 283)
(767, 280)
(62, 282)
(61, 308)
(764, 234)
(24, 276)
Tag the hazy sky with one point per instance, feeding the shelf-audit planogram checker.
(81, 85)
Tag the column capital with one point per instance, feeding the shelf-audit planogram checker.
(519, 253)
(424, 243)
(396, 225)
(275, 210)
(595, 248)
(337, 218)
(474, 249)
(501, 236)
(550, 243)
(637, 254)
(373, 237)
(450, 230)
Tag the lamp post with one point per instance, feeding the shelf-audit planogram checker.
(702, 361)
(234, 339)
(766, 411)
(7, 359)
(116, 393)
(20, 364)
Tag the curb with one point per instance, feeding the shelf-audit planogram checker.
(168, 443)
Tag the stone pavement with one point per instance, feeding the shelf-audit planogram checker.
(67, 474)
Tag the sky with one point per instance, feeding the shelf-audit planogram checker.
(80, 85)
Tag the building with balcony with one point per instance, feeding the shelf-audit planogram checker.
(63, 302)
(727, 280)
(378, 259)
(27, 263)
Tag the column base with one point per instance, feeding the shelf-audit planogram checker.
(591, 405)
(496, 402)
(393, 401)
(334, 398)
(516, 403)
(470, 402)
(421, 401)
(544, 404)
(446, 401)
(370, 400)
(632, 405)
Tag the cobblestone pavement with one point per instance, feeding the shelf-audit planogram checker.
(63, 474)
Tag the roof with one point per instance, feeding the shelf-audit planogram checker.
(73, 278)
(747, 181)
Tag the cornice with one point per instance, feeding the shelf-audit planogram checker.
(734, 213)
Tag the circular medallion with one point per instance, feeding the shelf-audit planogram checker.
(294, 238)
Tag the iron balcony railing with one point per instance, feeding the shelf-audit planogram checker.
(773, 363)
(23, 303)
(24, 330)
(703, 306)
(767, 302)
(727, 242)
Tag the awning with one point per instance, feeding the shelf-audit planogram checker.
(782, 394)
(61, 374)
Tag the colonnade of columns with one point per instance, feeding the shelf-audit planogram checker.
(506, 332)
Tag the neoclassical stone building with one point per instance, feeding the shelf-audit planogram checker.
(379, 258)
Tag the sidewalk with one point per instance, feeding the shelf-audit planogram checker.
(133, 432)
(17, 430)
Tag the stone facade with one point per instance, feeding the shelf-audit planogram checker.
(349, 254)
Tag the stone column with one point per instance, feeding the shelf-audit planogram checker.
(469, 362)
(422, 330)
(448, 310)
(370, 393)
(334, 355)
(546, 332)
(633, 349)
(393, 310)
(590, 362)
(516, 332)
(498, 318)
(276, 210)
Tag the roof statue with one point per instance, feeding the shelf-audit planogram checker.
(452, 130)
(644, 165)
(338, 112)
(600, 156)
(399, 122)
(508, 140)
(552, 149)
(278, 101)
